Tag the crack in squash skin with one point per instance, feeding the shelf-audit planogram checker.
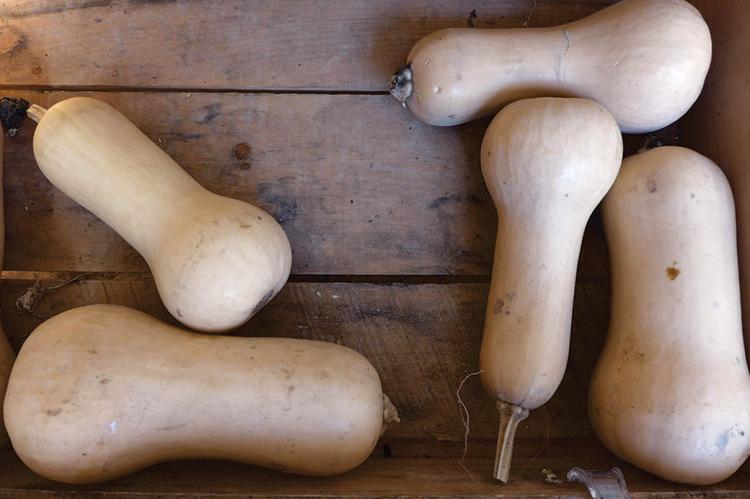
(645, 61)
(214, 259)
(671, 389)
(103, 390)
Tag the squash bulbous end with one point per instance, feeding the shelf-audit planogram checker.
(401, 84)
(510, 416)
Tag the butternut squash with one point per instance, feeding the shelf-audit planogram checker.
(547, 163)
(643, 60)
(216, 261)
(671, 390)
(103, 390)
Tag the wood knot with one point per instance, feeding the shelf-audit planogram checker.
(242, 151)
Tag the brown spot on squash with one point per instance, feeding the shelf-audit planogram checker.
(498, 306)
(651, 185)
(54, 412)
(104, 381)
(672, 273)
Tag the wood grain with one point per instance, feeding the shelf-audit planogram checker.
(377, 477)
(237, 44)
(428, 334)
(360, 186)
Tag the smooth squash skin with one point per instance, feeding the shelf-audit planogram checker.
(643, 60)
(671, 390)
(547, 163)
(215, 260)
(100, 391)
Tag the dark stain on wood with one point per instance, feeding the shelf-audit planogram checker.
(284, 209)
(209, 113)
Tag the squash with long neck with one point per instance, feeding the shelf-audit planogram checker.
(547, 163)
(643, 60)
(216, 261)
(101, 391)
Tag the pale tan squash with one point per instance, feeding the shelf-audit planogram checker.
(103, 390)
(216, 261)
(547, 163)
(644, 60)
(671, 390)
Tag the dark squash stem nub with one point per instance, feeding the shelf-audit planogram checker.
(510, 416)
(401, 84)
(12, 113)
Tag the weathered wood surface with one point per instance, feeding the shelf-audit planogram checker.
(296, 44)
(381, 195)
(719, 123)
(427, 334)
(377, 477)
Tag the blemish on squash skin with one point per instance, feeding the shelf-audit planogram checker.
(652, 186)
(722, 440)
(498, 306)
(104, 381)
(54, 412)
(672, 273)
(171, 427)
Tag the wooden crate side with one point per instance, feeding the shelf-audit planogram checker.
(719, 123)
(296, 44)
(532, 475)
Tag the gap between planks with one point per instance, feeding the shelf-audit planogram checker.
(30, 275)
(6, 88)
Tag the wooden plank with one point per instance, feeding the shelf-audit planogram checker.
(428, 334)
(377, 477)
(719, 123)
(359, 185)
(237, 44)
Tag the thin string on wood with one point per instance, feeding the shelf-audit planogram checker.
(531, 13)
(538, 453)
(30, 297)
(466, 420)
(465, 412)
